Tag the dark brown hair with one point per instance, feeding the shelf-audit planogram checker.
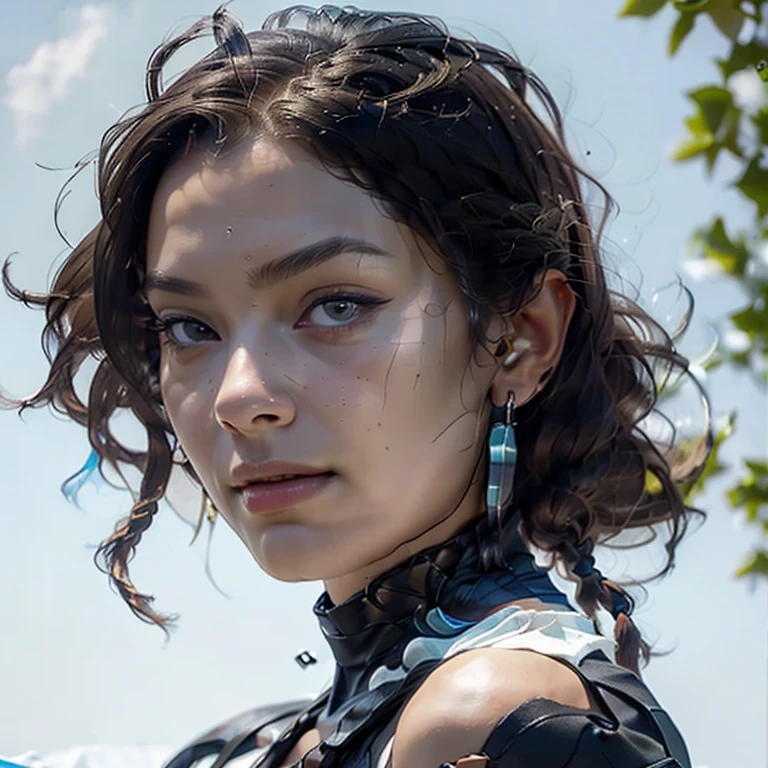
(440, 130)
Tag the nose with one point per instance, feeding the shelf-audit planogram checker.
(246, 402)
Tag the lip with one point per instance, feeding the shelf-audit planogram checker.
(246, 474)
(271, 496)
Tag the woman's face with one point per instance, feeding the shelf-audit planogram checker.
(303, 325)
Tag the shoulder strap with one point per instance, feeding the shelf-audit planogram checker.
(545, 734)
(236, 736)
(633, 728)
(623, 682)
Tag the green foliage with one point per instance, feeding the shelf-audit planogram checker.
(690, 6)
(755, 564)
(715, 245)
(641, 7)
(683, 27)
(714, 466)
(727, 17)
(751, 493)
(760, 119)
(718, 124)
(754, 184)
(742, 57)
(713, 127)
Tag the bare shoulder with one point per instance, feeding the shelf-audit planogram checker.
(456, 708)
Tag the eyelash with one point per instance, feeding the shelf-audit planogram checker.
(365, 305)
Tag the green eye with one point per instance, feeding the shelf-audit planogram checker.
(762, 70)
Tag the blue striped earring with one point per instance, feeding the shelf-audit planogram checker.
(502, 451)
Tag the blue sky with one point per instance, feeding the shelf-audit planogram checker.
(75, 666)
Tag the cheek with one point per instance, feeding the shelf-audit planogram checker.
(418, 395)
(189, 410)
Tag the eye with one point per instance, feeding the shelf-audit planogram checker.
(334, 311)
(185, 331)
(339, 310)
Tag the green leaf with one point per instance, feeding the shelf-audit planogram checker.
(742, 56)
(714, 362)
(641, 7)
(752, 494)
(691, 489)
(756, 563)
(728, 18)
(713, 103)
(740, 359)
(715, 113)
(757, 468)
(710, 155)
(695, 145)
(748, 320)
(690, 6)
(722, 123)
(681, 30)
(730, 131)
(754, 184)
(731, 255)
(760, 119)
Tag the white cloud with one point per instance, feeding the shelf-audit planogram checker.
(47, 77)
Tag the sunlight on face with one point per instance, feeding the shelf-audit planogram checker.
(356, 362)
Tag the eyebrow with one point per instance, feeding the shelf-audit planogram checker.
(283, 268)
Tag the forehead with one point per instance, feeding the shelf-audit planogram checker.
(265, 192)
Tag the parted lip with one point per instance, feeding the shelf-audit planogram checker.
(245, 474)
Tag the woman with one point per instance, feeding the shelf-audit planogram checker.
(344, 277)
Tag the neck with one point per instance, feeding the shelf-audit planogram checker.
(436, 594)
(341, 588)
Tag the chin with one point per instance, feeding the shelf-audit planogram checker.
(292, 553)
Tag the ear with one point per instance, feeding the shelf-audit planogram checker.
(541, 325)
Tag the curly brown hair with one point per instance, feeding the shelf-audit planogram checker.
(439, 129)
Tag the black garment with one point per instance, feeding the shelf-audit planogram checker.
(441, 593)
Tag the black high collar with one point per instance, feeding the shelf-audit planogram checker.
(438, 592)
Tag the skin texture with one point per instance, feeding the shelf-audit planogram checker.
(454, 711)
(392, 400)
(389, 395)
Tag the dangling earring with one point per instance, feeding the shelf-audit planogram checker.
(210, 513)
(502, 451)
(209, 509)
